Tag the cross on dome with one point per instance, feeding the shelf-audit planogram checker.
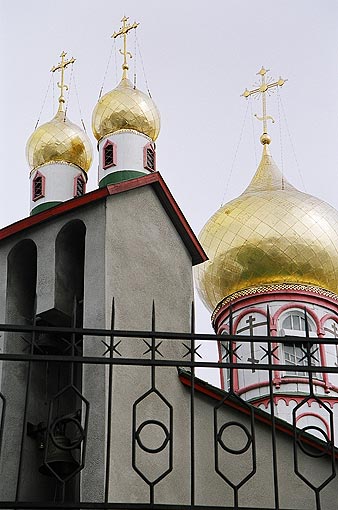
(265, 86)
(124, 32)
(61, 66)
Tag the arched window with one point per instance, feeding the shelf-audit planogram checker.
(79, 186)
(295, 321)
(331, 331)
(149, 157)
(21, 283)
(69, 266)
(109, 154)
(38, 186)
(293, 324)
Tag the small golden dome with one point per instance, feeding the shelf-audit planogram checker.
(270, 234)
(59, 140)
(126, 108)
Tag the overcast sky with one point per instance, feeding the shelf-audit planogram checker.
(198, 58)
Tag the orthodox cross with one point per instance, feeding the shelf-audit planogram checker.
(124, 31)
(250, 321)
(265, 86)
(61, 84)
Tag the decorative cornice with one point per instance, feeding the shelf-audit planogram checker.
(119, 131)
(271, 288)
(57, 163)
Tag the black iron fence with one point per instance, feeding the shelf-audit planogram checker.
(46, 415)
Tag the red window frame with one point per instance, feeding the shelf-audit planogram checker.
(149, 147)
(36, 196)
(114, 155)
(76, 180)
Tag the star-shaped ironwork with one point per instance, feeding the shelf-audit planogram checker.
(231, 351)
(153, 348)
(111, 348)
(76, 345)
(29, 344)
(310, 353)
(269, 352)
(191, 350)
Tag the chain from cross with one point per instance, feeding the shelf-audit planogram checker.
(124, 32)
(264, 87)
(61, 84)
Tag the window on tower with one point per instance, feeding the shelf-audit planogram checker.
(331, 331)
(149, 157)
(79, 186)
(296, 353)
(38, 186)
(109, 154)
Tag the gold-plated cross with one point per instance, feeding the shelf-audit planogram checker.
(124, 31)
(61, 84)
(262, 90)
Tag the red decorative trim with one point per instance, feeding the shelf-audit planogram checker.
(254, 386)
(36, 197)
(328, 316)
(285, 380)
(292, 296)
(114, 163)
(287, 399)
(149, 146)
(155, 180)
(235, 378)
(76, 178)
(316, 415)
(292, 306)
(324, 364)
(221, 370)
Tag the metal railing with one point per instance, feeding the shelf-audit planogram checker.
(52, 364)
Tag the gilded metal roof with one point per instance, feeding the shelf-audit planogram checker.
(270, 234)
(125, 107)
(59, 140)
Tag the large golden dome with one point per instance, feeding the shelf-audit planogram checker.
(59, 140)
(126, 107)
(270, 234)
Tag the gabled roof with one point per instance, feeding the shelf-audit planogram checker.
(162, 191)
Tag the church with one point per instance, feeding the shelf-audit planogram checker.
(100, 405)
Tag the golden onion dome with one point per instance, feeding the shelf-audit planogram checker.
(126, 107)
(271, 234)
(59, 140)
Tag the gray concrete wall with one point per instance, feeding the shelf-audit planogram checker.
(145, 260)
(211, 489)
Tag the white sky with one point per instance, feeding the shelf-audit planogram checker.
(198, 57)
